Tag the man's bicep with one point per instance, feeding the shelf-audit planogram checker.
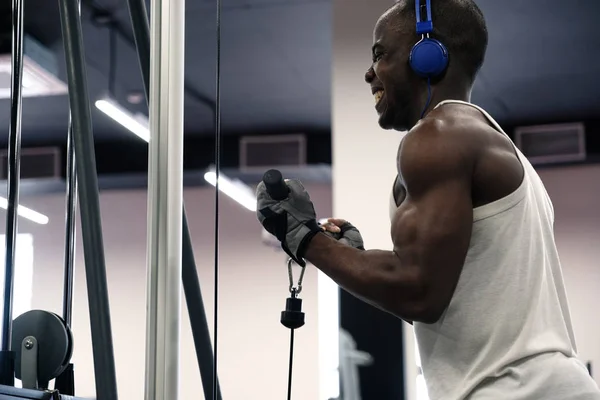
(437, 174)
(440, 218)
(432, 228)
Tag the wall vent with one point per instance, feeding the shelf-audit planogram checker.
(36, 163)
(549, 144)
(273, 151)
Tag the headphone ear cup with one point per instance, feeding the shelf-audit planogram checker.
(428, 58)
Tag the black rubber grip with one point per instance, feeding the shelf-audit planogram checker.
(275, 185)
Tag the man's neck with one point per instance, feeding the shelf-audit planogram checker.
(438, 95)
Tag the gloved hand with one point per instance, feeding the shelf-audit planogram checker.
(292, 221)
(344, 232)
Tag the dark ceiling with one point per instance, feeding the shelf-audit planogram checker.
(275, 69)
(542, 65)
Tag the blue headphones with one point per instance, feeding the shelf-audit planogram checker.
(429, 57)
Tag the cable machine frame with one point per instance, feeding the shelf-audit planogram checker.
(82, 182)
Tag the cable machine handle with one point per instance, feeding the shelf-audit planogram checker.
(276, 186)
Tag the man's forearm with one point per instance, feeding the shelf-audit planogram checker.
(374, 276)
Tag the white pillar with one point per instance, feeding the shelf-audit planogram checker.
(165, 199)
(364, 155)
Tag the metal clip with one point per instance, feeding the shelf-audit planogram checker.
(295, 290)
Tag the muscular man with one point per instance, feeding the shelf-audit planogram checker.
(474, 264)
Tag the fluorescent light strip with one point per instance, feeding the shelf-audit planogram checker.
(237, 190)
(137, 124)
(25, 212)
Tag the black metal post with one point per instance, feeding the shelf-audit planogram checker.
(197, 314)
(141, 36)
(70, 217)
(14, 164)
(191, 285)
(65, 382)
(91, 227)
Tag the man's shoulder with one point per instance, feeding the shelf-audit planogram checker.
(445, 137)
(429, 154)
(448, 142)
(454, 122)
(455, 133)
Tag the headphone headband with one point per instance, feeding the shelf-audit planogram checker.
(423, 27)
(428, 57)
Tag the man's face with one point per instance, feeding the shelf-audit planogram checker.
(389, 76)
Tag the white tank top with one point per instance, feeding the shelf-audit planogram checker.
(507, 333)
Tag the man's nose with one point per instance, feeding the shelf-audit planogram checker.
(370, 75)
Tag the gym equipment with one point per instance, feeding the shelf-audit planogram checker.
(292, 317)
(45, 345)
(37, 346)
(43, 340)
(91, 227)
(275, 185)
(428, 57)
(191, 285)
(65, 382)
(165, 199)
(11, 393)
(14, 157)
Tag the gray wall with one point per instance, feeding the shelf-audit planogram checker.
(575, 193)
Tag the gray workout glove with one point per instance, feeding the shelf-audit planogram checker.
(292, 221)
(348, 235)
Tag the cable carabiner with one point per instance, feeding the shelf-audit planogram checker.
(293, 317)
(295, 290)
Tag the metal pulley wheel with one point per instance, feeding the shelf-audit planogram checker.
(50, 340)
